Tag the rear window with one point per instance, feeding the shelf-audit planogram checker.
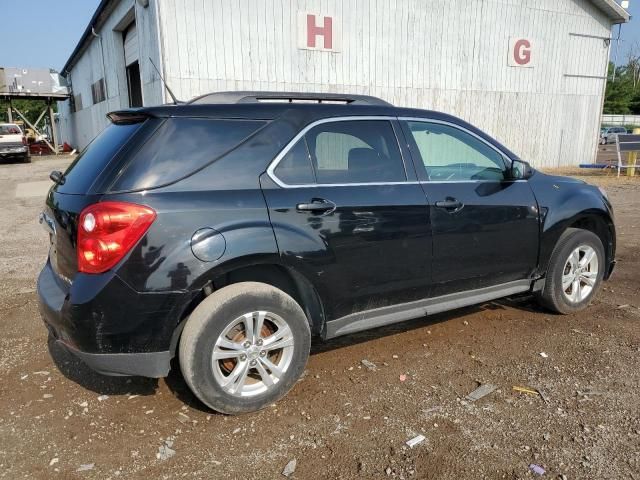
(10, 130)
(180, 147)
(89, 164)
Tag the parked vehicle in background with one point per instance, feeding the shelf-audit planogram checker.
(13, 143)
(609, 134)
(230, 230)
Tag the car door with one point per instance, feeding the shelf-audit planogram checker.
(346, 215)
(485, 226)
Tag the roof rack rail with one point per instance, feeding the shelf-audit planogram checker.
(287, 97)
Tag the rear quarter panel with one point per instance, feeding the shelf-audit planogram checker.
(163, 261)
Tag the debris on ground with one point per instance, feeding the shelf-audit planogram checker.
(544, 397)
(537, 469)
(289, 468)
(415, 441)
(165, 451)
(544, 355)
(102, 398)
(482, 391)
(530, 391)
(85, 467)
(403, 377)
(183, 417)
(369, 365)
(54, 461)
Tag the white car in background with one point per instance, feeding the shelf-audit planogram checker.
(13, 143)
(609, 134)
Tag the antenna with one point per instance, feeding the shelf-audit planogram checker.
(173, 97)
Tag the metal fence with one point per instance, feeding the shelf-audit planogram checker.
(621, 120)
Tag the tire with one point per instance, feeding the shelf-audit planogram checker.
(210, 330)
(562, 267)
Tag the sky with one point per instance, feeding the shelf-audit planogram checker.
(630, 33)
(43, 32)
(52, 33)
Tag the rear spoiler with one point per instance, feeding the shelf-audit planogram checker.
(127, 117)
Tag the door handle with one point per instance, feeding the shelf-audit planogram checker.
(317, 205)
(450, 204)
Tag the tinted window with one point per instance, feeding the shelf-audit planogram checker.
(451, 154)
(94, 158)
(180, 147)
(359, 151)
(295, 167)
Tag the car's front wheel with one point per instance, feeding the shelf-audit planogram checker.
(244, 347)
(575, 272)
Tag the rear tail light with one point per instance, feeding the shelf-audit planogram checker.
(24, 140)
(107, 231)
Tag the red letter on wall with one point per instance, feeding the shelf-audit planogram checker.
(522, 52)
(326, 31)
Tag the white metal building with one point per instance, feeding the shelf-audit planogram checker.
(532, 73)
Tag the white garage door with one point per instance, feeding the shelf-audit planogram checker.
(130, 45)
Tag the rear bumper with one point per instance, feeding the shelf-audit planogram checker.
(152, 364)
(17, 150)
(14, 153)
(112, 328)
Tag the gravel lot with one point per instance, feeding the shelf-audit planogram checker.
(58, 419)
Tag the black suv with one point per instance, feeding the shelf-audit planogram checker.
(232, 229)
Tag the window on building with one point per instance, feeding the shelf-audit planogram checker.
(451, 154)
(359, 151)
(97, 91)
(76, 103)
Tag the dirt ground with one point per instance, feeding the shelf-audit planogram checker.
(58, 419)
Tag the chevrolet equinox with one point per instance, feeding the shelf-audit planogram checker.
(232, 229)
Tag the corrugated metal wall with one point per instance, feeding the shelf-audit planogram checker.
(444, 55)
(81, 127)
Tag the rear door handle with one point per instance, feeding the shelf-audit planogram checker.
(317, 205)
(449, 204)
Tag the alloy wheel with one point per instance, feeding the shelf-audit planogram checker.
(580, 274)
(252, 353)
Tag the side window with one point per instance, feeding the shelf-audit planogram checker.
(358, 151)
(180, 147)
(295, 167)
(451, 154)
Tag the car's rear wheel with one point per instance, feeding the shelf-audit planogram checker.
(575, 272)
(244, 347)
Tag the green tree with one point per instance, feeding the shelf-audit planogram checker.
(620, 90)
(29, 108)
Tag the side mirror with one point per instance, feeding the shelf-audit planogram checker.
(57, 177)
(520, 170)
